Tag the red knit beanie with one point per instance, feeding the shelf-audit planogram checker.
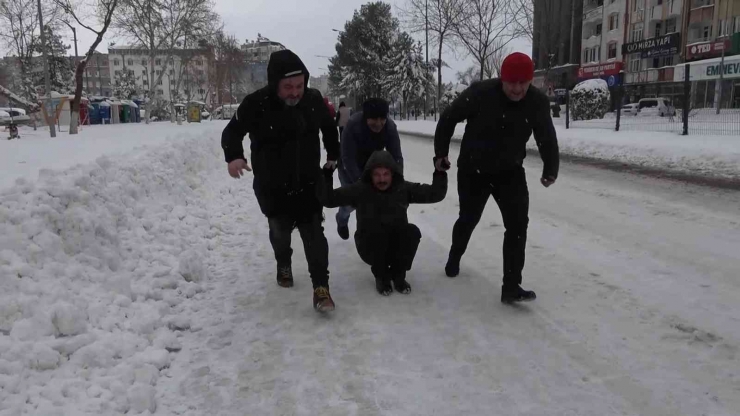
(517, 67)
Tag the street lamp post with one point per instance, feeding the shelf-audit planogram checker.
(722, 60)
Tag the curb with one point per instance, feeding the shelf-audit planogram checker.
(618, 166)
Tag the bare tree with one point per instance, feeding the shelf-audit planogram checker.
(80, 13)
(485, 27)
(523, 15)
(496, 60)
(158, 26)
(439, 17)
(20, 35)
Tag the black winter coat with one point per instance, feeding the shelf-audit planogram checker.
(498, 129)
(285, 146)
(382, 209)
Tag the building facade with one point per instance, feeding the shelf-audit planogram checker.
(556, 42)
(97, 76)
(602, 37)
(185, 72)
(259, 50)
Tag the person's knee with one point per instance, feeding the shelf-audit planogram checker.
(413, 232)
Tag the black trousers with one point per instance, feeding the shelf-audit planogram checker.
(390, 252)
(509, 190)
(314, 244)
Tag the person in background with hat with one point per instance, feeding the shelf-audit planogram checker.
(366, 132)
(283, 120)
(501, 115)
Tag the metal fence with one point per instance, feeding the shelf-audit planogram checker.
(689, 108)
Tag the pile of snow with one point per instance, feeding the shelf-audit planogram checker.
(590, 100)
(717, 156)
(97, 263)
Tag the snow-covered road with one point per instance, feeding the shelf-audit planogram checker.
(638, 312)
(638, 309)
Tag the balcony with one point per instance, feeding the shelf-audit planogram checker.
(698, 4)
(594, 15)
(675, 8)
(656, 12)
(650, 75)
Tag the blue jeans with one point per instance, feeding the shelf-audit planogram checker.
(344, 211)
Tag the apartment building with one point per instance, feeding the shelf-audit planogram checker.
(96, 78)
(602, 37)
(556, 43)
(185, 71)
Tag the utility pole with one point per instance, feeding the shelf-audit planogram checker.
(571, 54)
(426, 67)
(52, 128)
(722, 60)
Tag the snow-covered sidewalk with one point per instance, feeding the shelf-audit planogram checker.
(712, 156)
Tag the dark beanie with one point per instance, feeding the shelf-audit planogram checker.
(284, 64)
(517, 67)
(375, 108)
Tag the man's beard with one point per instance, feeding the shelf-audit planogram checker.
(291, 102)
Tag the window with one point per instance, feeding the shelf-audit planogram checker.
(117, 73)
(598, 29)
(636, 32)
(146, 81)
(199, 63)
(172, 72)
(724, 27)
(199, 72)
(659, 2)
(130, 62)
(160, 82)
(157, 62)
(160, 92)
(635, 63)
(670, 25)
(144, 62)
(612, 51)
(172, 81)
(115, 62)
(668, 61)
(157, 72)
(201, 91)
(658, 26)
(706, 31)
(614, 21)
(737, 25)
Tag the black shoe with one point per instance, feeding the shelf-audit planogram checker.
(284, 276)
(322, 301)
(343, 232)
(383, 286)
(400, 283)
(516, 294)
(452, 268)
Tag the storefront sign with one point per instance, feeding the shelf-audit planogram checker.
(702, 71)
(656, 47)
(707, 49)
(601, 70)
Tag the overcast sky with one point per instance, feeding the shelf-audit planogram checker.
(304, 26)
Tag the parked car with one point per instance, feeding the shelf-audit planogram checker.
(631, 109)
(663, 106)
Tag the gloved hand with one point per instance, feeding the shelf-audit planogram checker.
(442, 163)
(547, 181)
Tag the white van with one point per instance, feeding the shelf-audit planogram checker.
(660, 105)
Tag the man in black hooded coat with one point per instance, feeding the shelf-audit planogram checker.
(385, 239)
(283, 120)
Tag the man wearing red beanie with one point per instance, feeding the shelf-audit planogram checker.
(501, 114)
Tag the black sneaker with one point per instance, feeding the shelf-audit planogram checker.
(452, 268)
(383, 286)
(400, 283)
(322, 301)
(516, 294)
(284, 276)
(343, 232)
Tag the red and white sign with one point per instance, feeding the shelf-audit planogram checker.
(595, 71)
(706, 49)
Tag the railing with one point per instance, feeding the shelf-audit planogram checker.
(650, 75)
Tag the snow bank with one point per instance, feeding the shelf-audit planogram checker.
(717, 156)
(96, 263)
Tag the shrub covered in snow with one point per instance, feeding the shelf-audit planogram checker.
(589, 100)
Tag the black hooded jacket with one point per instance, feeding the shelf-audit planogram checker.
(285, 146)
(382, 209)
(498, 129)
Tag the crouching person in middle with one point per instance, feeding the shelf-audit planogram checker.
(384, 239)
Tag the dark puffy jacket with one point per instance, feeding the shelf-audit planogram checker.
(498, 129)
(377, 208)
(359, 142)
(285, 145)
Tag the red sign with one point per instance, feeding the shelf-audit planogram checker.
(707, 49)
(595, 71)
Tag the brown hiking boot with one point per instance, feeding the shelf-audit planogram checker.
(285, 276)
(322, 300)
